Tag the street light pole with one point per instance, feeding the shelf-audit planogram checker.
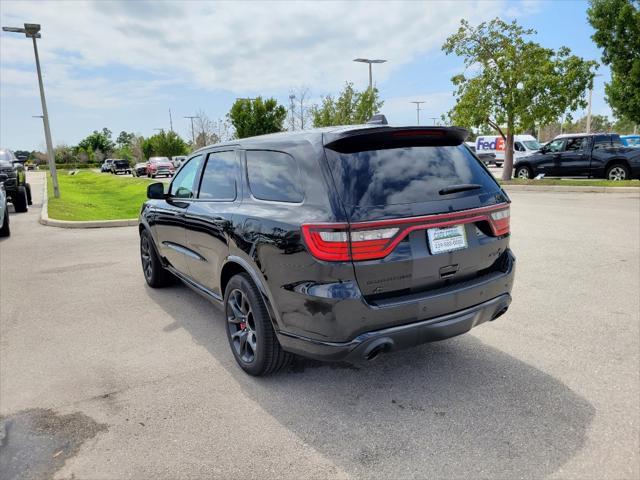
(32, 30)
(589, 106)
(369, 61)
(193, 135)
(418, 103)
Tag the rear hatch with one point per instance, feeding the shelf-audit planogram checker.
(121, 165)
(423, 212)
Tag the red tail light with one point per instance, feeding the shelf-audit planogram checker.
(341, 242)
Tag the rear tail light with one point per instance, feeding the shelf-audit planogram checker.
(340, 242)
(500, 221)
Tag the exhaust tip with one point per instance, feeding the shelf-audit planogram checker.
(500, 313)
(377, 348)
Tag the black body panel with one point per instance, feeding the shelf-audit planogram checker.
(312, 301)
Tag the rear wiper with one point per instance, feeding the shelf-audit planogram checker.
(463, 187)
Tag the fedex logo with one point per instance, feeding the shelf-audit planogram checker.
(491, 143)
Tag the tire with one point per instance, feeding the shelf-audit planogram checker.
(19, 200)
(5, 231)
(618, 172)
(153, 175)
(247, 319)
(154, 273)
(28, 188)
(524, 173)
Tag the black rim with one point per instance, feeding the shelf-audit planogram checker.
(242, 327)
(145, 253)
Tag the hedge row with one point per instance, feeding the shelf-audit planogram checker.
(70, 166)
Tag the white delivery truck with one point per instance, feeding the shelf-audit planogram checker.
(523, 145)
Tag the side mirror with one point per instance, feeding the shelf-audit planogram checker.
(155, 191)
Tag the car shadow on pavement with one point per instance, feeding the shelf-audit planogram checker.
(452, 409)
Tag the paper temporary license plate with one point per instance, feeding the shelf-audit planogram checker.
(446, 239)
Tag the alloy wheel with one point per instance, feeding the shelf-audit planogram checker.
(523, 173)
(617, 174)
(145, 254)
(242, 327)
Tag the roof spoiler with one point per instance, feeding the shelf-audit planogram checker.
(395, 137)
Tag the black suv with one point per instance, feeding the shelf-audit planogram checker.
(335, 244)
(14, 177)
(120, 166)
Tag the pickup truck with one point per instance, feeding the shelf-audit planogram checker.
(582, 155)
(13, 176)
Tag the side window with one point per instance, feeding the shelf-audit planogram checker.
(602, 141)
(273, 176)
(183, 183)
(519, 147)
(576, 144)
(556, 145)
(219, 177)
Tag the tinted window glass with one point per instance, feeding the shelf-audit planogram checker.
(556, 146)
(602, 141)
(576, 144)
(273, 176)
(182, 185)
(219, 177)
(404, 175)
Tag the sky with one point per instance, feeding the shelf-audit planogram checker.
(123, 65)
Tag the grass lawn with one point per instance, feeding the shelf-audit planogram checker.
(572, 182)
(96, 196)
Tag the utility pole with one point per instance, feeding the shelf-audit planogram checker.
(170, 121)
(32, 30)
(434, 120)
(193, 135)
(302, 113)
(293, 118)
(589, 105)
(418, 103)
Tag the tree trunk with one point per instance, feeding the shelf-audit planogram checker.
(507, 167)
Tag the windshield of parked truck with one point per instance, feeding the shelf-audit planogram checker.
(532, 144)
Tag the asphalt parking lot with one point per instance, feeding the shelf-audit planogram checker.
(102, 377)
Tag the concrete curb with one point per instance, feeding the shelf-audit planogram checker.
(569, 189)
(50, 222)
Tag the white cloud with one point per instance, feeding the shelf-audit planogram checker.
(235, 46)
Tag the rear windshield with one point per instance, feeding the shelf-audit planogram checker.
(404, 175)
(122, 163)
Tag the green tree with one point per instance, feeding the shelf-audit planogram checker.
(350, 108)
(255, 116)
(98, 141)
(164, 144)
(124, 139)
(617, 26)
(513, 82)
(624, 126)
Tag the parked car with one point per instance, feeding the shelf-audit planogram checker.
(523, 145)
(106, 165)
(5, 230)
(630, 140)
(160, 166)
(139, 170)
(582, 155)
(120, 166)
(486, 158)
(178, 160)
(17, 189)
(334, 244)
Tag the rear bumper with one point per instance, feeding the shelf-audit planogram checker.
(368, 345)
(342, 333)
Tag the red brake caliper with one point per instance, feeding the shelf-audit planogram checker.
(242, 325)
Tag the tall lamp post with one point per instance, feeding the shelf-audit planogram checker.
(418, 103)
(193, 134)
(589, 106)
(369, 61)
(32, 30)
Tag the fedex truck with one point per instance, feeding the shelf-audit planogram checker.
(523, 145)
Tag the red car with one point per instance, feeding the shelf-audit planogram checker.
(160, 166)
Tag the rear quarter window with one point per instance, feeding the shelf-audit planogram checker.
(404, 175)
(274, 176)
